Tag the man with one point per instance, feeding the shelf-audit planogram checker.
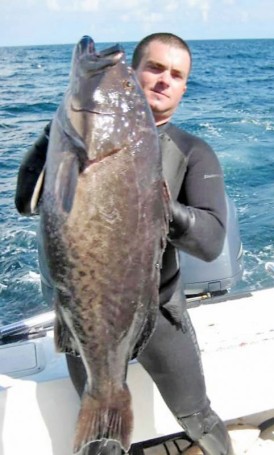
(162, 63)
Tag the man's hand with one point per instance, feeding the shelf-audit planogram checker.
(182, 217)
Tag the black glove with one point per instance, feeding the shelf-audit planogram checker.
(29, 171)
(182, 217)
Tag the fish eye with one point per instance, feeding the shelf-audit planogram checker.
(128, 84)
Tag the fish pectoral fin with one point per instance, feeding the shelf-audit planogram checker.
(102, 418)
(37, 192)
(66, 182)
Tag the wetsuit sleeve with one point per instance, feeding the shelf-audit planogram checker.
(198, 223)
(29, 171)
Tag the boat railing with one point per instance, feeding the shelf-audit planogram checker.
(34, 326)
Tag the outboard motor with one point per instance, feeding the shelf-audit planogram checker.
(208, 279)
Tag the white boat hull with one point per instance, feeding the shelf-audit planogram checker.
(39, 406)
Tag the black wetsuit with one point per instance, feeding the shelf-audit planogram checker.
(172, 356)
(195, 179)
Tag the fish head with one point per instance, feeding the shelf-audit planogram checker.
(89, 63)
(104, 102)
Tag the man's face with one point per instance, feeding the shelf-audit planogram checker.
(163, 73)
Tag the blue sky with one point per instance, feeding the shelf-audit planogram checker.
(27, 22)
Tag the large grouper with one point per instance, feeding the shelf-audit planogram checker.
(104, 219)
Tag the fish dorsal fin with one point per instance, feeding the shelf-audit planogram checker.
(37, 192)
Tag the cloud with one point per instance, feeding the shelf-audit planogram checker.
(132, 7)
(73, 5)
(245, 16)
(172, 5)
(203, 5)
(142, 11)
(97, 5)
(31, 21)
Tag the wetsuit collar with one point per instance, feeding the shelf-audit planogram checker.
(162, 128)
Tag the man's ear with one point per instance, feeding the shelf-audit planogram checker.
(185, 89)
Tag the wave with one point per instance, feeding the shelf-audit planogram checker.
(22, 108)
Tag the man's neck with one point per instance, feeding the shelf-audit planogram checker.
(161, 118)
(162, 121)
(161, 128)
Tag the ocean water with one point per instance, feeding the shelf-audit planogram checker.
(229, 103)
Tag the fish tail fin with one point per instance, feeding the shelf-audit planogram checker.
(107, 418)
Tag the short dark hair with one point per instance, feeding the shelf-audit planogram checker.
(165, 38)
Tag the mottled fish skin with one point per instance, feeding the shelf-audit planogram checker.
(104, 218)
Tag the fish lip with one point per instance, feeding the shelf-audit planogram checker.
(86, 45)
(116, 49)
(106, 57)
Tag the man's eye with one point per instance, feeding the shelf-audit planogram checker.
(154, 67)
(178, 76)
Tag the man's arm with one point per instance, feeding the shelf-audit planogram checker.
(29, 171)
(199, 215)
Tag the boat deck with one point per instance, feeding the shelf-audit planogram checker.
(39, 407)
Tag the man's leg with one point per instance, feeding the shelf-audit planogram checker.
(172, 358)
(77, 373)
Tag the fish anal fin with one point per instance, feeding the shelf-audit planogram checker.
(63, 338)
(110, 419)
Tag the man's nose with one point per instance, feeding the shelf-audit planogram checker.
(164, 77)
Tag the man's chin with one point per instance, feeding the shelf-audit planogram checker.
(156, 104)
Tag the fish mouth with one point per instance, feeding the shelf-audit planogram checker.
(98, 60)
